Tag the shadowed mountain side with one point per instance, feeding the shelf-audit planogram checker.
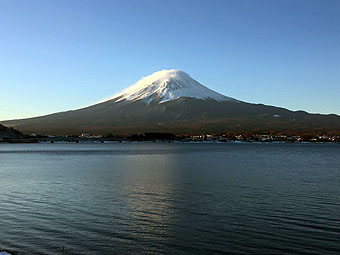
(6, 132)
(183, 115)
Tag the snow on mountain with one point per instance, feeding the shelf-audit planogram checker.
(166, 85)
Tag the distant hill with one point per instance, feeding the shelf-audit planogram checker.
(170, 101)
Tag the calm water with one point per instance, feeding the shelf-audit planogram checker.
(152, 198)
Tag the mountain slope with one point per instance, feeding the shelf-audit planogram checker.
(171, 101)
(184, 115)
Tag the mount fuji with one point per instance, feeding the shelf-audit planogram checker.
(167, 85)
(171, 101)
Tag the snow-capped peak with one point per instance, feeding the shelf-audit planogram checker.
(166, 85)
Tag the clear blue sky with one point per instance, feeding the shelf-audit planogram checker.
(61, 55)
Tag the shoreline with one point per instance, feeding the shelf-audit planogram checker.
(17, 141)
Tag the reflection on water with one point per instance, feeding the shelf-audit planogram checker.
(170, 198)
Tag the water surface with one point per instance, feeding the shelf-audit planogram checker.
(152, 198)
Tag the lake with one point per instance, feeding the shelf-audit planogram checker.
(170, 198)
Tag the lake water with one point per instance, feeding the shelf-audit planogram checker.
(153, 198)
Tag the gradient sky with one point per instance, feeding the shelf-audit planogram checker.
(61, 55)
